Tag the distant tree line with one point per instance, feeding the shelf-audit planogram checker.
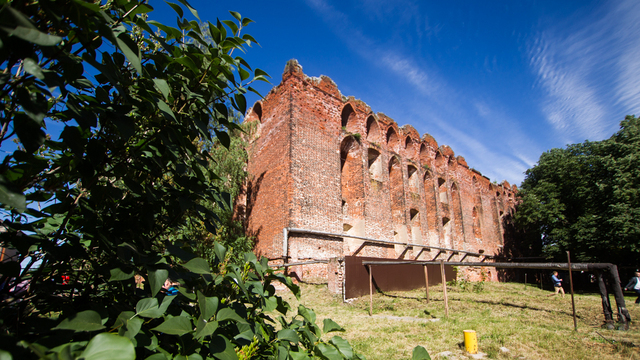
(585, 199)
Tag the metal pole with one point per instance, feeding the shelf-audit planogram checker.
(573, 304)
(606, 304)
(623, 313)
(525, 281)
(426, 280)
(444, 288)
(370, 291)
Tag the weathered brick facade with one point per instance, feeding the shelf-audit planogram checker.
(322, 161)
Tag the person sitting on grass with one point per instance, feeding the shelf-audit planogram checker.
(557, 284)
(634, 284)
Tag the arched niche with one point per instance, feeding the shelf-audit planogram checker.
(396, 193)
(431, 207)
(374, 163)
(439, 160)
(477, 230)
(456, 207)
(412, 174)
(348, 117)
(256, 112)
(442, 190)
(416, 228)
(424, 155)
(373, 130)
(393, 141)
(446, 232)
(409, 149)
(351, 183)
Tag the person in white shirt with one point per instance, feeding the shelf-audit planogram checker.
(634, 284)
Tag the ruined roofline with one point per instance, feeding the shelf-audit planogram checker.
(293, 70)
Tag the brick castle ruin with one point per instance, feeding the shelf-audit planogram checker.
(323, 162)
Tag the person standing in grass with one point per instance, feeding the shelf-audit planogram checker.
(557, 284)
(634, 284)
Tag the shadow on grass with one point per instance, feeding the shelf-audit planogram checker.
(500, 303)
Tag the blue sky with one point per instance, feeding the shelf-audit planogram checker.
(500, 82)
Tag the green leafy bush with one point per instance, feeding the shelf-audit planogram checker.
(90, 215)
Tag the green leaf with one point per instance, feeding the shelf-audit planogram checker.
(13, 199)
(32, 67)
(5, 355)
(205, 328)
(176, 8)
(91, 6)
(223, 137)
(157, 278)
(118, 275)
(193, 11)
(198, 266)
(130, 50)
(128, 324)
(208, 306)
(158, 356)
(299, 355)
(241, 102)
(149, 307)
(221, 348)
(307, 314)
(165, 109)
(420, 353)
(220, 251)
(270, 304)
(236, 15)
(109, 347)
(87, 320)
(330, 325)
(231, 25)
(229, 314)
(289, 335)
(163, 86)
(246, 21)
(343, 346)
(33, 36)
(328, 352)
(177, 325)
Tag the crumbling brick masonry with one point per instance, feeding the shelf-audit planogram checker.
(321, 161)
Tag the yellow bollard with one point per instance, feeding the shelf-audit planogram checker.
(470, 341)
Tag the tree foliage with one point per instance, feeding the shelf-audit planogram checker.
(88, 212)
(230, 166)
(585, 199)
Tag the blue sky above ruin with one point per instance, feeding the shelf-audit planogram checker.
(499, 82)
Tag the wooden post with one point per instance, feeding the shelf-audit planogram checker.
(426, 280)
(443, 277)
(573, 304)
(370, 291)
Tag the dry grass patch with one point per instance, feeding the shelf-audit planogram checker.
(525, 321)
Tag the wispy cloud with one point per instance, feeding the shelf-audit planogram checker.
(590, 71)
(435, 106)
(402, 65)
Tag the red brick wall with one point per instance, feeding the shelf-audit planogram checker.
(322, 161)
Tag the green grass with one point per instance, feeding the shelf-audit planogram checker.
(525, 321)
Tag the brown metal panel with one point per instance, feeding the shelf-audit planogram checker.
(397, 277)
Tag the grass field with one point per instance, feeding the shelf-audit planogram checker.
(523, 320)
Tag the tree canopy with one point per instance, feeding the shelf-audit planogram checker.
(89, 210)
(585, 199)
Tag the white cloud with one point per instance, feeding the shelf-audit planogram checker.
(590, 71)
(434, 103)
